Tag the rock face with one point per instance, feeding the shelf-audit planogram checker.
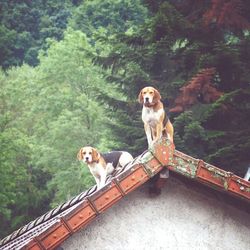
(184, 216)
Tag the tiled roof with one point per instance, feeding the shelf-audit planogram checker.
(51, 229)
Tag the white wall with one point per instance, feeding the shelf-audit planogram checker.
(247, 175)
(182, 217)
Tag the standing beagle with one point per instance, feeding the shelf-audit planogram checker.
(102, 165)
(156, 121)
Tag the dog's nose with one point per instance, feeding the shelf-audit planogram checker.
(86, 158)
(146, 99)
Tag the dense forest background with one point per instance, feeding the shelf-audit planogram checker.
(70, 75)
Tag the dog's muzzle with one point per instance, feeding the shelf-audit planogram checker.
(87, 159)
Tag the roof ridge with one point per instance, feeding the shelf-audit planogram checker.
(50, 214)
(64, 206)
(54, 230)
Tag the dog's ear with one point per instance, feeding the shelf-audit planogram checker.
(157, 95)
(95, 155)
(80, 154)
(140, 97)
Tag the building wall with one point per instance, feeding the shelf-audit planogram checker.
(184, 216)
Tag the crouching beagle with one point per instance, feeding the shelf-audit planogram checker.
(156, 121)
(102, 165)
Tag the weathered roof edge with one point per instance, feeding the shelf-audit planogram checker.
(56, 212)
(139, 171)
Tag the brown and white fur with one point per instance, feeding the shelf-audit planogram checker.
(153, 115)
(102, 165)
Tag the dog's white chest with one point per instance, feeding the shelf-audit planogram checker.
(96, 169)
(151, 117)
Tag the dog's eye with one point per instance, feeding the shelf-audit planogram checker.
(84, 153)
(90, 153)
(144, 93)
(151, 92)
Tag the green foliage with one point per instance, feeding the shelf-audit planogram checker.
(51, 111)
(26, 24)
(21, 195)
(7, 43)
(114, 16)
(17, 189)
(68, 110)
(189, 134)
(229, 117)
(168, 49)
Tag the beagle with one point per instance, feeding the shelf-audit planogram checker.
(156, 121)
(102, 165)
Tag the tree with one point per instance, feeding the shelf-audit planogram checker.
(227, 14)
(23, 194)
(25, 26)
(114, 16)
(179, 41)
(198, 89)
(48, 113)
(69, 112)
(7, 43)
